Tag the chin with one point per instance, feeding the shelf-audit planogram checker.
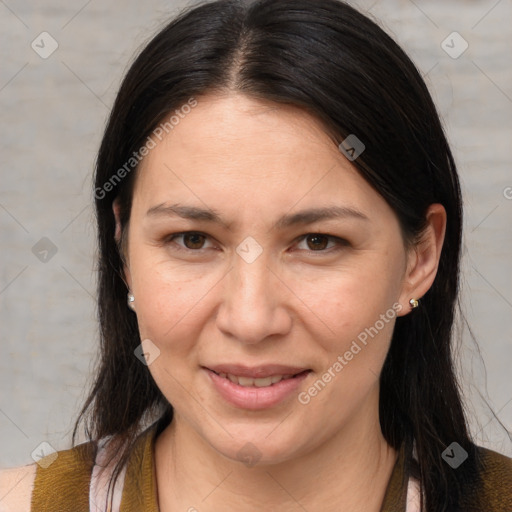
(259, 450)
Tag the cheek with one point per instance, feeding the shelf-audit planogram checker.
(357, 309)
(347, 301)
(353, 356)
(167, 308)
(169, 314)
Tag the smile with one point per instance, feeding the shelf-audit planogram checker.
(255, 393)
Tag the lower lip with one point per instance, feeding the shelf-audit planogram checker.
(254, 398)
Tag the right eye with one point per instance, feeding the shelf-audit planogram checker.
(192, 241)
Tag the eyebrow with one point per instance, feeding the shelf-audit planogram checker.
(302, 217)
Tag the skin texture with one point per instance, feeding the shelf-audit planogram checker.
(301, 302)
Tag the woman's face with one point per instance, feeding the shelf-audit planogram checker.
(267, 277)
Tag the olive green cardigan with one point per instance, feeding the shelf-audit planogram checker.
(64, 485)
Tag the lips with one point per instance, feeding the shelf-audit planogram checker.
(255, 390)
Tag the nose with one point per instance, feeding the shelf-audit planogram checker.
(253, 304)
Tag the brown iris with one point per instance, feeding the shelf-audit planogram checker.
(317, 238)
(197, 240)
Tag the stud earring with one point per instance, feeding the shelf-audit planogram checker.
(131, 301)
(414, 303)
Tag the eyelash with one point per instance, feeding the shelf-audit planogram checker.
(340, 241)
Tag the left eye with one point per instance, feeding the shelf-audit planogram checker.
(317, 242)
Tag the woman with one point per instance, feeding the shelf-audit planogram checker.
(279, 221)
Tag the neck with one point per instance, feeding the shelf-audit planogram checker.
(349, 472)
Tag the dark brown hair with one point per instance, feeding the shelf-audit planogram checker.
(330, 60)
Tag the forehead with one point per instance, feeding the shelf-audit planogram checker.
(238, 152)
(234, 129)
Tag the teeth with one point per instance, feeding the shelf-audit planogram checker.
(249, 381)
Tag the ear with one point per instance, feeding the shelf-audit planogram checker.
(116, 208)
(423, 258)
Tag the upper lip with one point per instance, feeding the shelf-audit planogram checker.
(256, 372)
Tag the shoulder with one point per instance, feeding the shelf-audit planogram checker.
(497, 468)
(495, 491)
(16, 485)
(62, 479)
(59, 481)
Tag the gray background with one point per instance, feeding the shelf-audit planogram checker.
(53, 114)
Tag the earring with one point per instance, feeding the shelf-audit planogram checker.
(414, 303)
(131, 301)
